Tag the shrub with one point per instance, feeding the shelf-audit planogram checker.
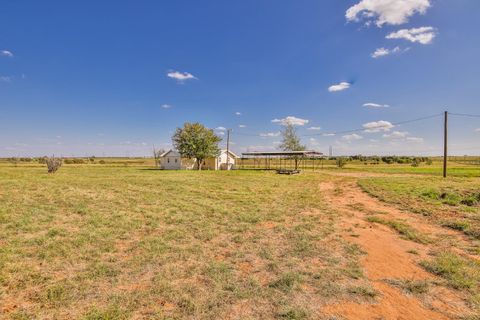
(53, 164)
(341, 162)
(74, 161)
(101, 161)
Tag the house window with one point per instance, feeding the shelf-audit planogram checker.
(176, 160)
(168, 160)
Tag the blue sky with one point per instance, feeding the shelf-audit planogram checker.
(115, 77)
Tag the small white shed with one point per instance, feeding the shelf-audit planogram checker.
(222, 160)
(172, 160)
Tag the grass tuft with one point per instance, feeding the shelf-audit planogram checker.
(402, 228)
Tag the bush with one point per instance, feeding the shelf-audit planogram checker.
(53, 164)
(74, 161)
(101, 161)
(341, 162)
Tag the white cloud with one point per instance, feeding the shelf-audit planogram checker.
(477, 130)
(328, 134)
(270, 134)
(166, 106)
(180, 76)
(381, 52)
(375, 105)
(414, 139)
(396, 135)
(291, 120)
(238, 113)
(6, 53)
(377, 126)
(220, 128)
(403, 136)
(352, 137)
(339, 87)
(423, 35)
(314, 128)
(380, 12)
(220, 133)
(242, 126)
(5, 79)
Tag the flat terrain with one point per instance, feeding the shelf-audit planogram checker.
(123, 241)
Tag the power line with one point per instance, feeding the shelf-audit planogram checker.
(350, 131)
(465, 115)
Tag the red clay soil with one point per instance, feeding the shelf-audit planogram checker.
(387, 257)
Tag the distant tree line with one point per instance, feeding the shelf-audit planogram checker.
(386, 159)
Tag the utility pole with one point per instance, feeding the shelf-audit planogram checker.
(445, 135)
(228, 149)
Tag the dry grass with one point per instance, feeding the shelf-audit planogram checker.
(98, 242)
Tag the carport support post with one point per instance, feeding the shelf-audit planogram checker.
(228, 149)
(445, 137)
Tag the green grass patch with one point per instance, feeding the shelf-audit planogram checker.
(461, 273)
(402, 228)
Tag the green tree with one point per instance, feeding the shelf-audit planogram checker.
(291, 141)
(194, 141)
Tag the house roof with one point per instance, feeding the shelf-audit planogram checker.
(231, 153)
(169, 151)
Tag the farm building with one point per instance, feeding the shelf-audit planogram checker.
(172, 160)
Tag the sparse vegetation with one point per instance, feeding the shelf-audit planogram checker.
(402, 228)
(118, 242)
(461, 273)
(451, 203)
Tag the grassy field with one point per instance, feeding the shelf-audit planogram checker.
(100, 242)
(121, 240)
(452, 202)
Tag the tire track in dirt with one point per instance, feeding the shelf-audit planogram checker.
(387, 257)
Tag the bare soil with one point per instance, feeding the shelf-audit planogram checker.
(388, 256)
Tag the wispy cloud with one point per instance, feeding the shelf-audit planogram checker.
(380, 12)
(270, 134)
(423, 35)
(402, 136)
(328, 134)
(5, 79)
(242, 126)
(166, 106)
(352, 137)
(477, 130)
(314, 128)
(181, 76)
(377, 126)
(238, 113)
(6, 53)
(396, 135)
(375, 105)
(382, 52)
(220, 129)
(339, 87)
(291, 120)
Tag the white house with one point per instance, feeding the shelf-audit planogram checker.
(172, 160)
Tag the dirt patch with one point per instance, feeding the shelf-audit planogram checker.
(387, 257)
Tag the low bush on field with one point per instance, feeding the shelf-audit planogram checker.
(53, 164)
(74, 161)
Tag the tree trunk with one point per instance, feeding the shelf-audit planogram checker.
(296, 163)
(199, 164)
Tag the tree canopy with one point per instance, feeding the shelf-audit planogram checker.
(290, 139)
(195, 141)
